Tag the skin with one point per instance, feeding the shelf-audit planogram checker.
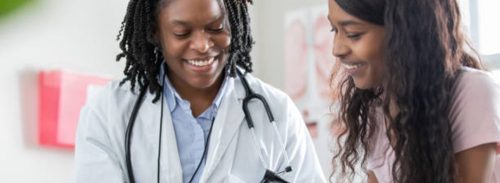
(358, 41)
(371, 177)
(193, 30)
(477, 164)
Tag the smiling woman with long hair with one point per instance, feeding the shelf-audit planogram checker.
(415, 104)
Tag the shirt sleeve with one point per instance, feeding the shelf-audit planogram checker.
(476, 111)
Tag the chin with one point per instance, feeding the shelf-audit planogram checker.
(203, 84)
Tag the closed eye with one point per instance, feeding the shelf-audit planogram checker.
(181, 34)
(354, 36)
(216, 30)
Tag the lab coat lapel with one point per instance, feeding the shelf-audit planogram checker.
(226, 125)
(170, 166)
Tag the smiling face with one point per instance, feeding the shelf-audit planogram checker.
(358, 45)
(193, 35)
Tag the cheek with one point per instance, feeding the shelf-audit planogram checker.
(372, 53)
(377, 62)
(378, 53)
(173, 47)
(371, 50)
(222, 41)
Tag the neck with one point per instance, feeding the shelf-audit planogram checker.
(199, 98)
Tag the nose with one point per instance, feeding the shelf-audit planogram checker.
(340, 49)
(201, 42)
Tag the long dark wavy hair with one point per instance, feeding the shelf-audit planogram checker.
(143, 54)
(424, 52)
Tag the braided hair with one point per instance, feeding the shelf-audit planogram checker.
(142, 53)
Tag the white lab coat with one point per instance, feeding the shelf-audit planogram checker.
(232, 156)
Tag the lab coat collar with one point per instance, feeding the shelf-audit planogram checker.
(170, 166)
(226, 126)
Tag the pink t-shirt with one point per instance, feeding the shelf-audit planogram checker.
(477, 111)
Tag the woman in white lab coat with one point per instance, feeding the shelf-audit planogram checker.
(183, 57)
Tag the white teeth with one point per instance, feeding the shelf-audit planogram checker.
(201, 63)
(355, 66)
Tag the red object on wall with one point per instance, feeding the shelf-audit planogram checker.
(61, 97)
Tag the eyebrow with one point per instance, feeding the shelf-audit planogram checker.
(344, 23)
(348, 22)
(186, 24)
(180, 22)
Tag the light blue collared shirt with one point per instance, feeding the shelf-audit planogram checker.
(191, 132)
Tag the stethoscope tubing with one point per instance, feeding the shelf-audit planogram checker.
(250, 95)
(128, 134)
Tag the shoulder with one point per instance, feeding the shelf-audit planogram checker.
(476, 87)
(267, 90)
(112, 94)
(475, 113)
(476, 80)
(283, 108)
(107, 106)
(280, 103)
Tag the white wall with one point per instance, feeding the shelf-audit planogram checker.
(269, 32)
(70, 34)
(269, 18)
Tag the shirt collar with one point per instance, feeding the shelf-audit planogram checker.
(173, 98)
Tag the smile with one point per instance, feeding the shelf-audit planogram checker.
(201, 63)
(352, 66)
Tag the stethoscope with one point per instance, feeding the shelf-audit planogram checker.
(270, 176)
